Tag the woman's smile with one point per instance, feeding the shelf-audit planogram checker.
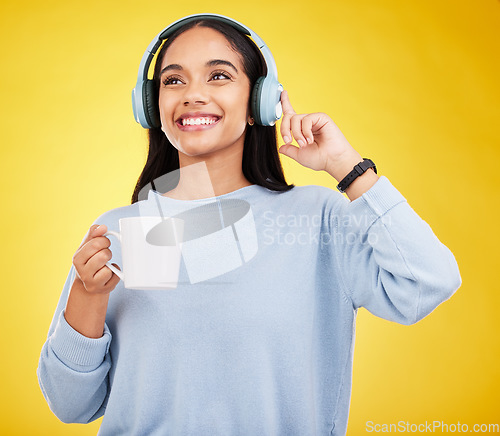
(192, 121)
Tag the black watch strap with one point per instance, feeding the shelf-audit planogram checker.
(356, 172)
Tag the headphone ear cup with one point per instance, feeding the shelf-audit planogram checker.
(150, 100)
(266, 104)
(256, 100)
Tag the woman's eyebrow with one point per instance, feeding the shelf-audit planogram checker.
(211, 63)
(171, 67)
(215, 62)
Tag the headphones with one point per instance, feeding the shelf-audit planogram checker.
(265, 95)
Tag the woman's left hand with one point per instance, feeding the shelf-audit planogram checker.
(322, 146)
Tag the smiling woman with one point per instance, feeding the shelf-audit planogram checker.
(206, 70)
(228, 319)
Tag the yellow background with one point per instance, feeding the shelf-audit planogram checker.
(412, 84)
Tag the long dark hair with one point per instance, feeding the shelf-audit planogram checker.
(260, 164)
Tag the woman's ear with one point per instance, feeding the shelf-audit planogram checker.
(250, 118)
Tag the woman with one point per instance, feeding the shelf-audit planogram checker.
(264, 346)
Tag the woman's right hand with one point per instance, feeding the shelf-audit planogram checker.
(90, 262)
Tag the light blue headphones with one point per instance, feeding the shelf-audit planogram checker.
(265, 96)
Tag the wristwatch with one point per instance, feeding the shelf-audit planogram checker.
(356, 172)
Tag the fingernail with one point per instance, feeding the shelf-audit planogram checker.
(96, 228)
(300, 142)
(286, 139)
(309, 140)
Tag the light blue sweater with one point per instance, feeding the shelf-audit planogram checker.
(262, 349)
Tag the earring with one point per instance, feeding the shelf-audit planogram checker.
(251, 121)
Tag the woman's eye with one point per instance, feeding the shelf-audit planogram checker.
(171, 81)
(220, 76)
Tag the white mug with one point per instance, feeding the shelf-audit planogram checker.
(146, 265)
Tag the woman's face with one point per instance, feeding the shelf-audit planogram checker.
(204, 94)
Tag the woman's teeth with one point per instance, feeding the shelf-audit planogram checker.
(198, 121)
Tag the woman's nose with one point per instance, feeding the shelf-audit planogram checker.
(195, 93)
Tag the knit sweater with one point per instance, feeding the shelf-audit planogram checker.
(257, 337)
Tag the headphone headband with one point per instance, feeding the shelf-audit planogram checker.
(263, 112)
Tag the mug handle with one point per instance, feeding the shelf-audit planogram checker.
(108, 264)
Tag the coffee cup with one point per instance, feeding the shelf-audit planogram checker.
(145, 265)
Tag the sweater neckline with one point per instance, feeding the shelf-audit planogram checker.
(246, 190)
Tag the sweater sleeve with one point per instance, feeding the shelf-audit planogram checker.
(73, 369)
(390, 260)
